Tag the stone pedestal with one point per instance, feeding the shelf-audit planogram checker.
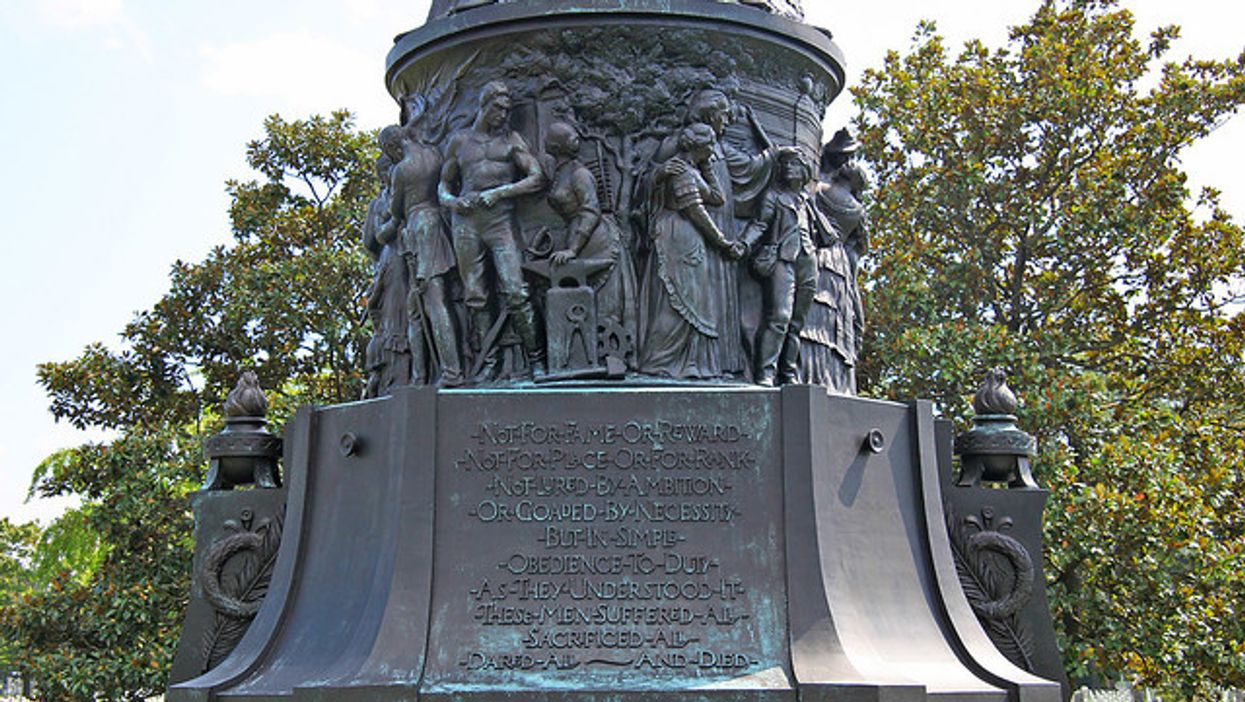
(615, 544)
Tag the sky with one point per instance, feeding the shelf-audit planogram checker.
(122, 120)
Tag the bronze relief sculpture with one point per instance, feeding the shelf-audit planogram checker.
(790, 8)
(429, 257)
(684, 318)
(545, 267)
(743, 178)
(387, 356)
(620, 250)
(568, 486)
(593, 238)
(831, 338)
(487, 166)
(785, 260)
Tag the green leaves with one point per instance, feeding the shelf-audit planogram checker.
(279, 300)
(106, 586)
(1031, 212)
(93, 604)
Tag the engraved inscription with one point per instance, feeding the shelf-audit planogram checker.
(612, 546)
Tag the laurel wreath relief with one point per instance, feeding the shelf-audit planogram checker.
(236, 593)
(997, 575)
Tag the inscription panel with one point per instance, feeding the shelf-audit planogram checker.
(595, 541)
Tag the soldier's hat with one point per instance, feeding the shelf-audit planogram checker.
(842, 143)
(838, 151)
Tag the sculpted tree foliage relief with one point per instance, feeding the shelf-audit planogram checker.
(441, 8)
(1030, 211)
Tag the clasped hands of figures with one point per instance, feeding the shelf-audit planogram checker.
(676, 167)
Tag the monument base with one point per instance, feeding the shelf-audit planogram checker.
(615, 544)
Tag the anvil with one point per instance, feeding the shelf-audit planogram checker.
(577, 269)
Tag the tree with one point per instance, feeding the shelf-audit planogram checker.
(17, 547)
(1030, 212)
(283, 300)
(33, 560)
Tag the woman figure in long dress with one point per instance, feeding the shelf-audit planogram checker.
(387, 358)
(681, 316)
(830, 340)
(742, 178)
(592, 235)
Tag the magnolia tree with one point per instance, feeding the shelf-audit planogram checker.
(1030, 211)
(282, 299)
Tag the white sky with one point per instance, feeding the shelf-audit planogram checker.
(122, 119)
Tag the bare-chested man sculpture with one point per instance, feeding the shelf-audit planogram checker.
(487, 166)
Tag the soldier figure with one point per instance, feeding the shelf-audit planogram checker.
(427, 253)
(786, 261)
(486, 167)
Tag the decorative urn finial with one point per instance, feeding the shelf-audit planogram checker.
(246, 399)
(995, 450)
(245, 452)
(994, 397)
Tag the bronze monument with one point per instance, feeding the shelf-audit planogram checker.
(610, 449)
